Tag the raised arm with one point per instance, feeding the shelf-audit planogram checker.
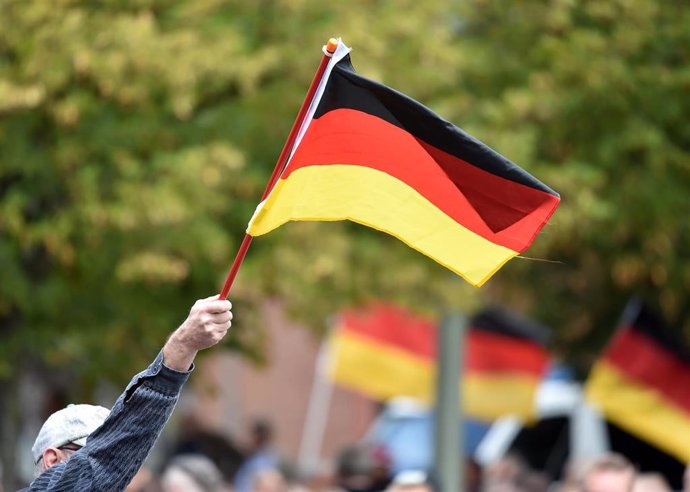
(116, 450)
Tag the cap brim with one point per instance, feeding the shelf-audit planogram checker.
(80, 442)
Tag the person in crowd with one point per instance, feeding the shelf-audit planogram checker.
(511, 473)
(196, 439)
(609, 473)
(651, 482)
(358, 469)
(260, 456)
(191, 473)
(410, 481)
(144, 481)
(473, 474)
(88, 448)
(503, 474)
(269, 480)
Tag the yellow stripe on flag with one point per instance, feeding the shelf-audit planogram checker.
(490, 396)
(378, 200)
(379, 370)
(640, 410)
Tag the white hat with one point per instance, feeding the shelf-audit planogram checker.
(72, 424)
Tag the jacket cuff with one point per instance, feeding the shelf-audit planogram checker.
(166, 379)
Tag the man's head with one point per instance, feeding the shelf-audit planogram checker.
(64, 433)
(610, 473)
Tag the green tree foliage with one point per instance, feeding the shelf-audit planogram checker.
(115, 181)
(136, 138)
(592, 96)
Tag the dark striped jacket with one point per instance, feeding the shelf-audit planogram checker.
(115, 451)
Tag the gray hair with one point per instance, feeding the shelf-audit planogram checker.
(200, 469)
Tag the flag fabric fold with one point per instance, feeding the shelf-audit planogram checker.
(641, 382)
(372, 155)
(385, 351)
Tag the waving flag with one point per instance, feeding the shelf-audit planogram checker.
(372, 155)
(642, 382)
(386, 351)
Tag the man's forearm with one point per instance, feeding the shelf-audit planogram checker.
(176, 355)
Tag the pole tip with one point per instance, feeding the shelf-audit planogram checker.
(332, 45)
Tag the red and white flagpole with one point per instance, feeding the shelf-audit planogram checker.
(331, 46)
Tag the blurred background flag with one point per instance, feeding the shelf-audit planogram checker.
(385, 351)
(641, 382)
(372, 155)
(506, 361)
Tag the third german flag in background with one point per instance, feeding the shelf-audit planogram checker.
(642, 382)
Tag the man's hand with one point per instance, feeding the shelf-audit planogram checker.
(206, 325)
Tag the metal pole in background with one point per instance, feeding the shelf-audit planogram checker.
(449, 438)
(316, 419)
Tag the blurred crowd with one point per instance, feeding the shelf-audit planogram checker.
(206, 462)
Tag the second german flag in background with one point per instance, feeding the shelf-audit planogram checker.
(385, 351)
(372, 155)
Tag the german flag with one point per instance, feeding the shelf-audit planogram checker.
(372, 155)
(642, 382)
(385, 351)
(505, 362)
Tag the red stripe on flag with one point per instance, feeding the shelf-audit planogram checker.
(486, 351)
(492, 352)
(642, 359)
(393, 326)
(346, 136)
